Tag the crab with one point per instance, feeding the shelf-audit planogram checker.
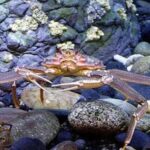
(72, 63)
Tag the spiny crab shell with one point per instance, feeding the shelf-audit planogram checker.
(71, 62)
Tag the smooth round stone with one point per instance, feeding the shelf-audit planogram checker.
(53, 98)
(142, 65)
(66, 145)
(142, 48)
(40, 124)
(98, 117)
(27, 143)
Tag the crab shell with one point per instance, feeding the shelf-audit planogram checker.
(72, 63)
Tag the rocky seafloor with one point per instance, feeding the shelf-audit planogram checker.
(33, 30)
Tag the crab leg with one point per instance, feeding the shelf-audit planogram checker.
(130, 77)
(121, 86)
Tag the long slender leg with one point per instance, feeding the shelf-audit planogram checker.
(130, 77)
(135, 118)
(14, 95)
(42, 95)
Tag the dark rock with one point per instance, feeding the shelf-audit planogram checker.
(145, 27)
(70, 34)
(68, 14)
(66, 145)
(90, 94)
(50, 5)
(64, 136)
(139, 139)
(27, 143)
(70, 3)
(81, 144)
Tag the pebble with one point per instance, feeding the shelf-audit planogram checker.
(66, 145)
(97, 117)
(40, 124)
(27, 143)
(53, 99)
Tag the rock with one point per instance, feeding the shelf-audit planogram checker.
(21, 9)
(142, 48)
(142, 65)
(144, 123)
(81, 144)
(64, 136)
(139, 139)
(4, 13)
(53, 99)
(125, 106)
(70, 34)
(40, 124)
(9, 114)
(70, 3)
(18, 38)
(67, 14)
(97, 117)
(66, 145)
(29, 60)
(146, 30)
(6, 61)
(27, 143)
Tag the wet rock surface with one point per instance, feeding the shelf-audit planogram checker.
(40, 124)
(97, 117)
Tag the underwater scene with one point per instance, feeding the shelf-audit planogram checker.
(74, 74)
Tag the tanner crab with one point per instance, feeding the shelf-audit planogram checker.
(71, 63)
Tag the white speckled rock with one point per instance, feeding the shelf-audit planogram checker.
(98, 117)
(53, 99)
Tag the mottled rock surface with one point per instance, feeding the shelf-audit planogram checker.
(40, 124)
(97, 117)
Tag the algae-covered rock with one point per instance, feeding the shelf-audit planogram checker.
(142, 65)
(142, 48)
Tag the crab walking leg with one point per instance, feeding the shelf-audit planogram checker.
(130, 77)
(135, 118)
(130, 93)
(14, 95)
(86, 84)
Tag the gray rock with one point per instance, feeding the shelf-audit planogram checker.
(70, 3)
(6, 61)
(142, 66)
(4, 13)
(66, 145)
(29, 60)
(14, 39)
(98, 117)
(21, 9)
(70, 34)
(40, 124)
(125, 106)
(144, 123)
(68, 14)
(142, 48)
